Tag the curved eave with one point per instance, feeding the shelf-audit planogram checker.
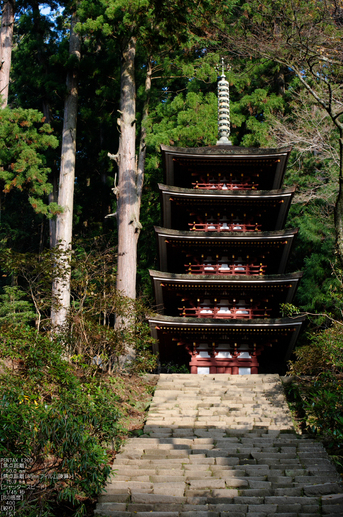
(219, 279)
(225, 150)
(229, 194)
(195, 236)
(185, 323)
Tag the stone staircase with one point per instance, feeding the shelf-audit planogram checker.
(221, 446)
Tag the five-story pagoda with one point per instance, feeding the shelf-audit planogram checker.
(223, 252)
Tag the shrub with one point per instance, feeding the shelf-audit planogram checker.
(323, 353)
(53, 416)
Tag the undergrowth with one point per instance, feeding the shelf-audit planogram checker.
(63, 421)
(315, 392)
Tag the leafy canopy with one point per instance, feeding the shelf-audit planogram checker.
(23, 139)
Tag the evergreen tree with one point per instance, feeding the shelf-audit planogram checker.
(64, 219)
(24, 137)
(305, 37)
(156, 27)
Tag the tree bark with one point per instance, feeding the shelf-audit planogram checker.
(142, 144)
(339, 201)
(64, 220)
(53, 196)
(6, 43)
(127, 198)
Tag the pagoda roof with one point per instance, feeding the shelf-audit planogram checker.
(225, 150)
(184, 282)
(191, 328)
(225, 155)
(191, 239)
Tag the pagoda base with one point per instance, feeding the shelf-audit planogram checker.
(232, 366)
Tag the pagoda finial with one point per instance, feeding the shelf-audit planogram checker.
(223, 108)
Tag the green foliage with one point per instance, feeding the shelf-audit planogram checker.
(50, 416)
(61, 419)
(288, 309)
(14, 310)
(323, 353)
(184, 121)
(318, 403)
(34, 272)
(23, 138)
(320, 289)
(90, 336)
(172, 367)
(317, 389)
(95, 306)
(252, 112)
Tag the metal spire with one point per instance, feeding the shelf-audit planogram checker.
(223, 109)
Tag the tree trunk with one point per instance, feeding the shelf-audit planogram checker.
(6, 43)
(339, 201)
(142, 145)
(127, 198)
(61, 285)
(53, 196)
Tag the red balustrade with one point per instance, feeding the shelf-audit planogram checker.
(225, 269)
(225, 186)
(224, 227)
(224, 312)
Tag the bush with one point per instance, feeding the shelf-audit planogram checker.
(318, 402)
(318, 387)
(91, 337)
(53, 416)
(323, 353)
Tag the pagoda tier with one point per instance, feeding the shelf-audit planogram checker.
(229, 211)
(263, 168)
(262, 252)
(230, 297)
(225, 346)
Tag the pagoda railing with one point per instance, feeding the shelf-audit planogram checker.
(225, 312)
(225, 186)
(224, 227)
(225, 269)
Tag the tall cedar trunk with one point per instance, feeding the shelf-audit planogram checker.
(53, 196)
(6, 43)
(142, 144)
(127, 199)
(339, 201)
(61, 284)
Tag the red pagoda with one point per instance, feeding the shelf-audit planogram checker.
(223, 251)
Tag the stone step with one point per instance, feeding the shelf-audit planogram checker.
(217, 446)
